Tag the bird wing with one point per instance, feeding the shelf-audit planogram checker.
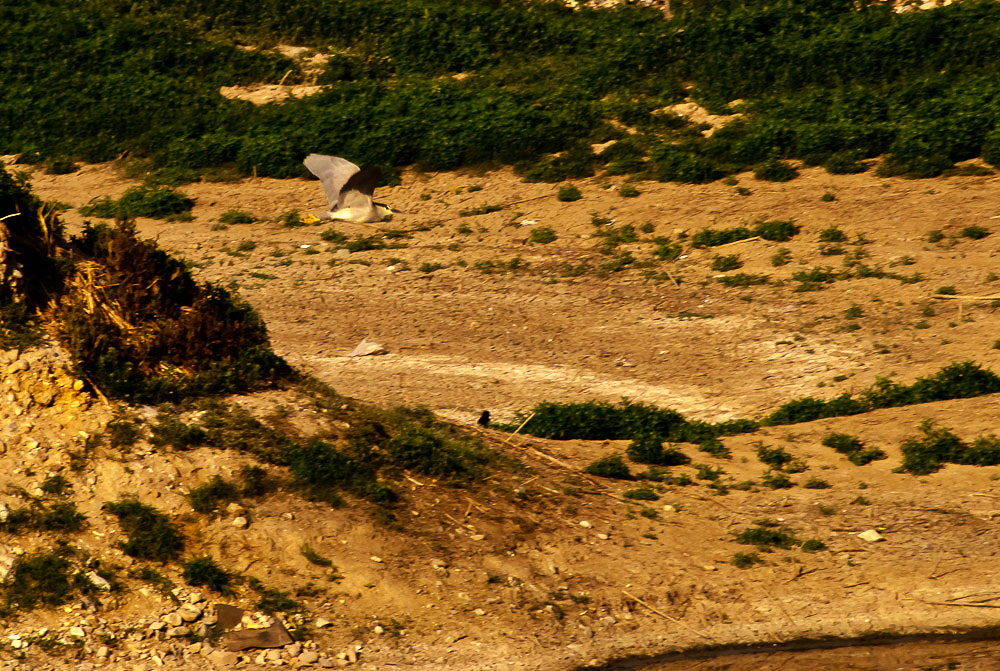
(359, 189)
(334, 172)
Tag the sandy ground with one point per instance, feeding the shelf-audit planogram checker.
(555, 593)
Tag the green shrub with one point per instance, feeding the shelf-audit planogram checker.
(45, 578)
(313, 557)
(543, 235)
(273, 601)
(775, 457)
(928, 453)
(813, 545)
(832, 234)
(232, 217)
(123, 432)
(844, 163)
(429, 452)
(59, 517)
(935, 236)
(743, 280)
(204, 571)
(714, 447)
(628, 191)
(746, 559)
(975, 232)
(816, 483)
(140, 201)
(775, 171)
(641, 494)
(568, 193)
(853, 448)
(151, 535)
(776, 481)
(781, 257)
(775, 231)
(648, 449)
(957, 380)
(612, 466)
(766, 533)
(207, 498)
(723, 263)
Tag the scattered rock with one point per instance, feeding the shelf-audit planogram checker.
(871, 536)
(585, 524)
(241, 522)
(308, 657)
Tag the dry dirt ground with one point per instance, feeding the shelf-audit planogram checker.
(519, 581)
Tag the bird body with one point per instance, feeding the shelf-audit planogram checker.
(349, 189)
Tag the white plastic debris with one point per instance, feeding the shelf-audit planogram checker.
(368, 348)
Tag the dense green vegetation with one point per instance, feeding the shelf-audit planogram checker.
(937, 445)
(829, 82)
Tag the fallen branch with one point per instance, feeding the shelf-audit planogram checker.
(662, 614)
(965, 297)
(518, 429)
(737, 242)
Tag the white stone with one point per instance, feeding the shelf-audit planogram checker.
(76, 632)
(98, 582)
(585, 524)
(309, 657)
(379, 629)
(189, 612)
(871, 536)
(241, 522)
(320, 622)
(377, 560)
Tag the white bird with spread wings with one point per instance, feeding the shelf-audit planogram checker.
(349, 189)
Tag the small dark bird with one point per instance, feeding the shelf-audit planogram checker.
(484, 419)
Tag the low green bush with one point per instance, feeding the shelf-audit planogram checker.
(611, 466)
(853, 448)
(774, 231)
(775, 457)
(140, 201)
(543, 235)
(957, 380)
(568, 194)
(151, 534)
(641, 494)
(648, 449)
(43, 578)
(775, 171)
(767, 533)
(929, 452)
(722, 263)
(207, 498)
(204, 571)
